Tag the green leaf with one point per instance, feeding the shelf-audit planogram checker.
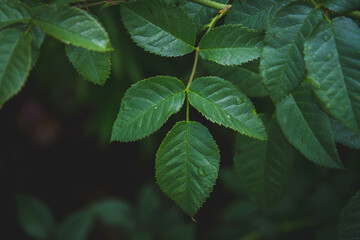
(159, 27)
(13, 12)
(231, 45)
(246, 77)
(76, 226)
(332, 60)
(255, 14)
(187, 165)
(74, 26)
(342, 6)
(114, 212)
(349, 220)
(146, 106)
(67, 1)
(15, 61)
(282, 63)
(223, 103)
(308, 128)
(93, 66)
(34, 217)
(201, 15)
(344, 135)
(38, 36)
(264, 167)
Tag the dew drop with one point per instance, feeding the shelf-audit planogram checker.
(239, 101)
(329, 56)
(315, 84)
(326, 38)
(228, 116)
(155, 107)
(201, 173)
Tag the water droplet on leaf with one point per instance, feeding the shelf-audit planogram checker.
(239, 101)
(201, 172)
(228, 116)
(315, 84)
(326, 38)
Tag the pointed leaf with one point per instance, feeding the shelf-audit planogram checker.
(223, 103)
(93, 66)
(34, 217)
(159, 27)
(38, 36)
(187, 165)
(282, 63)
(72, 25)
(76, 226)
(344, 135)
(255, 14)
(264, 167)
(246, 77)
(146, 106)
(15, 61)
(231, 45)
(308, 128)
(332, 60)
(349, 220)
(342, 6)
(13, 12)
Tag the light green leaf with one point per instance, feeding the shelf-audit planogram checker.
(282, 63)
(264, 167)
(342, 6)
(93, 66)
(344, 135)
(74, 26)
(159, 27)
(332, 60)
(114, 212)
(34, 217)
(255, 14)
(187, 165)
(231, 45)
(15, 61)
(146, 106)
(223, 103)
(246, 77)
(76, 226)
(349, 220)
(308, 128)
(13, 12)
(200, 14)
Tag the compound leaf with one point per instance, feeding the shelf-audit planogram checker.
(332, 60)
(344, 135)
(342, 6)
(187, 165)
(231, 45)
(349, 221)
(255, 14)
(223, 103)
(159, 27)
(146, 106)
(282, 63)
(264, 167)
(308, 128)
(93, 66)
(74, 26)
(13, 12)
(34, 217)
(15, 61)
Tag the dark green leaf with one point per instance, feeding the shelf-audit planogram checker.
(146, 106)
(15, 61)
(93, 66)
(308, 128)
(231, 45)
(264, 167)
(349, 221)
(148, 207)
(332, 60)
(254, 14)
(282, 63)
(159, 27)
(223, 103)
(76, 226)
(73, 26)
(344, 135)
(34, 216)
(13, 12)
(342, 6)
(187, 165)
(67, 1)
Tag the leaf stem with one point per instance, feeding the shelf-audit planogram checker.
(354, 14)
(29, 27)
(194, 68)
(208, 3)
